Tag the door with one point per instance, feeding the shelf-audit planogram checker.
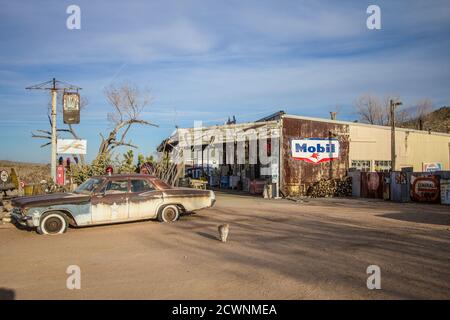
(111, 204)
(144, 199)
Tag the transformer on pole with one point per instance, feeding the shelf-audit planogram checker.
(54, 86)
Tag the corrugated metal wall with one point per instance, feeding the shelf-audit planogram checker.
(297, 175)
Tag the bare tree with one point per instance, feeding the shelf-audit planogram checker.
(128, 102)
(373, 110)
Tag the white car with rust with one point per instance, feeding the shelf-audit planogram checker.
(109, 199)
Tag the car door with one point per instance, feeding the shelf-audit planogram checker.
(111, 203)
(144, 199)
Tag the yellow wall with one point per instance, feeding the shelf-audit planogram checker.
(413, 147)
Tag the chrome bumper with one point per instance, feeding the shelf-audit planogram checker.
(22, 220)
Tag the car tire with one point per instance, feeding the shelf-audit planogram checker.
(169, 213)
(53, 223)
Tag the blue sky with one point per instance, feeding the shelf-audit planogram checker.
(207, 60)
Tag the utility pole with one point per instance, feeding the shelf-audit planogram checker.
(54, 86)
(392, 106)
(53, 115)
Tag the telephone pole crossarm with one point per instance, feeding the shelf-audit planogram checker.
(54, 85)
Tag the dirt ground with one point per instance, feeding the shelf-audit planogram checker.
(277, 249)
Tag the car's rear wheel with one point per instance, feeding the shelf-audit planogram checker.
(169, 213)
(52, 223)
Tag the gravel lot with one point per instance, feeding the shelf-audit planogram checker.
(277, 249)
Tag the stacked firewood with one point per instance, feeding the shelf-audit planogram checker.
(331, 188)
(344, 187)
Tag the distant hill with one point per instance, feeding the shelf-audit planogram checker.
(9, 163)
(438, 121)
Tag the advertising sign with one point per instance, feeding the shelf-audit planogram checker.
(60, 175)
(71, 107)
(425, 188)
(315, 150)
(4, 176)
(373, 181)
(71, 146)
(431, 166)
(400, 178)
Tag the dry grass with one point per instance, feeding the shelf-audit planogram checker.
(28, 172)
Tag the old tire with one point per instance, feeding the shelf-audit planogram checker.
(52, 223)
(169, 213)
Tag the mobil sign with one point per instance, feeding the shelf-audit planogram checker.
(315, 150)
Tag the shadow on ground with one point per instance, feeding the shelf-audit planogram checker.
(420, 217)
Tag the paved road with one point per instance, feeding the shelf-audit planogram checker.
(277, 249)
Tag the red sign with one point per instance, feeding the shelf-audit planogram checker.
(60, 175)
(109, 170)
(425, 189)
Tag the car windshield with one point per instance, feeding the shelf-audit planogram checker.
(89, 186)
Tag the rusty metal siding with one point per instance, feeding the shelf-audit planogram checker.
(296, 175)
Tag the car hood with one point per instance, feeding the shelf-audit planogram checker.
(49, 199)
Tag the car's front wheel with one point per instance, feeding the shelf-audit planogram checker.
(52, 223)
(169, 213)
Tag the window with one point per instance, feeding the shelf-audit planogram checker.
(116, 186)
(88, 186)
(141, 186)
(383, 165)
(362, 165)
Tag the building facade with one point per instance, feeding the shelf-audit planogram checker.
(303, 150)
(362, 147)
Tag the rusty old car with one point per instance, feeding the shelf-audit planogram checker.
(109, 199)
